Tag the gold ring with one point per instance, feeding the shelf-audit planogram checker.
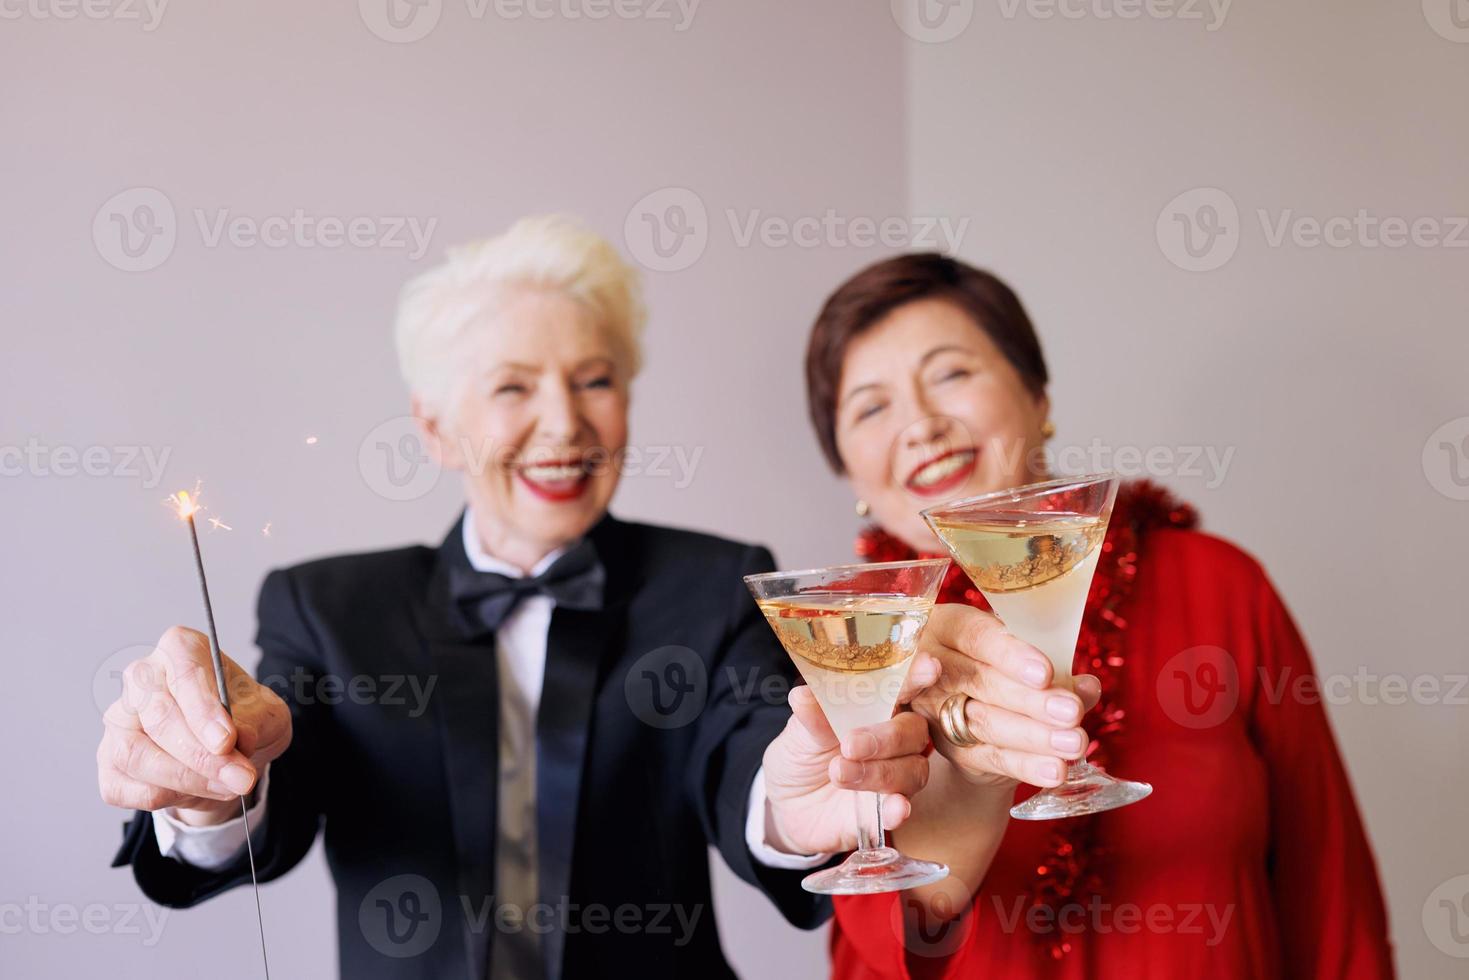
(955, 722)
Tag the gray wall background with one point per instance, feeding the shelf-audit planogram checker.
(1059, 145)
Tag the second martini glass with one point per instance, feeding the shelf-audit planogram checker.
(852, 631)
(1032, 551)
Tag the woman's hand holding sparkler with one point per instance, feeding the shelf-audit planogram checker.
(168, 742)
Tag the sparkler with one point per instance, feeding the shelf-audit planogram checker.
(187, 505)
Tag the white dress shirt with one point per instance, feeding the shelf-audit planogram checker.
(520, 648)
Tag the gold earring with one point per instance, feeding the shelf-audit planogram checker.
(1048, 429)
(862, 509)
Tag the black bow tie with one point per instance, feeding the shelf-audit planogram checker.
(484, 599)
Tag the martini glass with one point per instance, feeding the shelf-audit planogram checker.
(852, 631)
(1032, 551)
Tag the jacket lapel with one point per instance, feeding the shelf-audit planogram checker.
(575, 652)
(579, 648)
(468, 716)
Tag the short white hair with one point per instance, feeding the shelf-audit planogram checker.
(551, 252)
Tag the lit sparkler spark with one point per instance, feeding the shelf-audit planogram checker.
(311, 440)
(266, 529)
(186, 502)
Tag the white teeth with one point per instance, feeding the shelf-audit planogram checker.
(553, 474)
(942, 468)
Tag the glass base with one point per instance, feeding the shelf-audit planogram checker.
(1087, 790)
(881, 869)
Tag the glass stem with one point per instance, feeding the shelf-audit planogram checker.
(1068, 681)
(869, 816)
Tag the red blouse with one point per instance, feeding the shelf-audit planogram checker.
(1249, 859)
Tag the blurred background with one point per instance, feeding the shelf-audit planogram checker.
(1240, 228)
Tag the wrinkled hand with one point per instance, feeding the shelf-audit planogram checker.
(168, 742)
(809, 773)
(1027, 725)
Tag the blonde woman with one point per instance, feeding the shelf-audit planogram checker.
(583, 735)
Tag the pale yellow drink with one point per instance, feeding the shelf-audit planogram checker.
(853, 651)
(1035, 571)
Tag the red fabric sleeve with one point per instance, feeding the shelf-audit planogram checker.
(1328, 902)
(863, 946)
(866, 943)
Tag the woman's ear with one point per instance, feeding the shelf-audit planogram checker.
(1042, 407)
(444, 449)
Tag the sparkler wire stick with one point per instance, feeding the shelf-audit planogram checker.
(186, 509)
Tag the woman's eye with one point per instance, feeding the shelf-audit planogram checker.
(510, 388)
(605, 381)
(870, 411)
(954, 374)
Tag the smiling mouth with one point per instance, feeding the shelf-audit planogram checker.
(943, 474)
(556, 480)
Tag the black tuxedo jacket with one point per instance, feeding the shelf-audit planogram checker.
(655, 713)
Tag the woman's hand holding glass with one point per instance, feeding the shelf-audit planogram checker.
(810, 773)
(1026, 726)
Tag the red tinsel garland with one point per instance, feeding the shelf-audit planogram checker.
(1066, 873)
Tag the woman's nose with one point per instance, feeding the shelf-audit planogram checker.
(558, 418)
(927, 429)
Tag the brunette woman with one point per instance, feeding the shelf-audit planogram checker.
(927, 383)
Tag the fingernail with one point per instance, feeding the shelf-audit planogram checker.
(859, 745)
(1066, 741)
(1061, 709)
(237, 778)
(217, 735)
(219, 789)
(1034, 674)
(1049, 771)
(849, 771)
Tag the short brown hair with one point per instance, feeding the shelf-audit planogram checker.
(881, 288)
